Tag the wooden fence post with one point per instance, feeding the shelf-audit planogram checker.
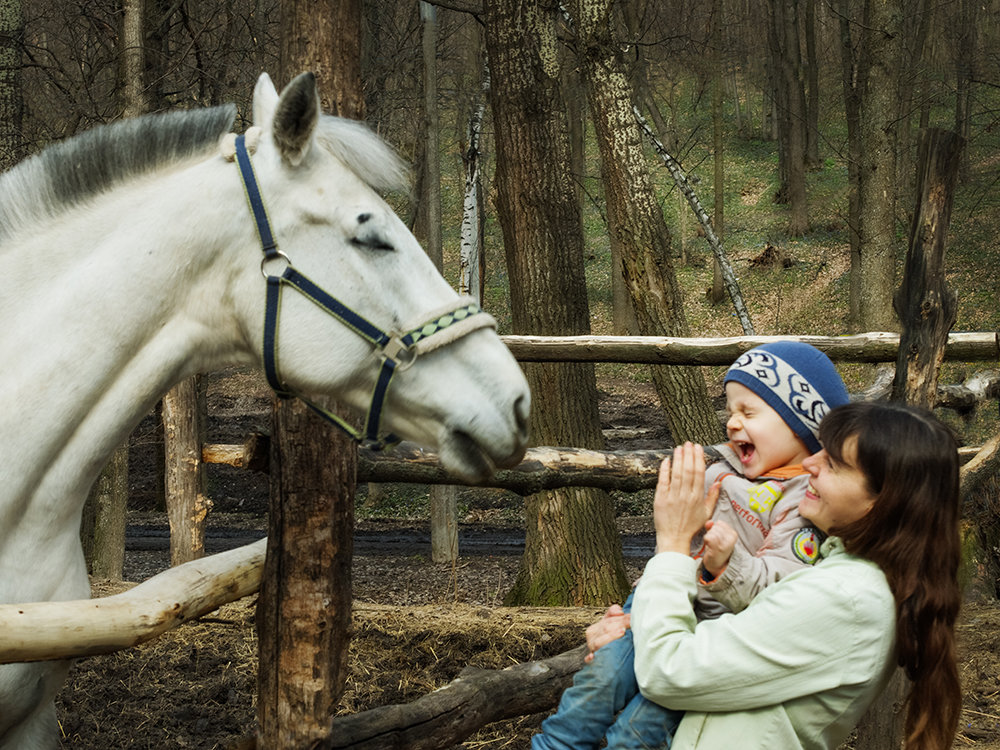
(184, 483)
(927, 310)
(304, 611)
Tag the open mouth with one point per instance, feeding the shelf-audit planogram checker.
(462, 455)
(745, 451)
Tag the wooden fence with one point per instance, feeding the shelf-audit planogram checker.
(39, 630)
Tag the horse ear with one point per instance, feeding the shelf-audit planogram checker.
(295, 118)
(265, 99)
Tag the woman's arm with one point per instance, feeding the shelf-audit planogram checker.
(818, 629)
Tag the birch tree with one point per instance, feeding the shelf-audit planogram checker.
(637, 220)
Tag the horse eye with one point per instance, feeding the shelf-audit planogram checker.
(372, 242)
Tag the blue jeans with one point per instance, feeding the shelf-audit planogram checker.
(604, 701)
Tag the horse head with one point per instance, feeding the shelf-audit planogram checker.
(364, 310)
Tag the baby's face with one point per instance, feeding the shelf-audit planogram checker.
(759, 436)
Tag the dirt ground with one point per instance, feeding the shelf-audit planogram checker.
(417, 624)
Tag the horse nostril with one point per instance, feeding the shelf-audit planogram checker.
(362, 218)
(522, 408)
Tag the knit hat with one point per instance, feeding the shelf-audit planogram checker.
(797, 380)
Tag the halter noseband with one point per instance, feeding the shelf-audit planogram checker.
(397, 351)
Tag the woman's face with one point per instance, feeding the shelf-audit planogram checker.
(838, 492)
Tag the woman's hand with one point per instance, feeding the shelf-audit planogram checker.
(680, 506)
(609, 628)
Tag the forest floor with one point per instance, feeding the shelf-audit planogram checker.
(416, 624)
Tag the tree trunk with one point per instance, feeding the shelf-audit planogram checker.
(573, 555)
(924, 304)
(927, 310)
(444, 498)
(878, 111)
(623, 322)
(184, 475)
(686, 193)
(965, 61)
(325, 38)
(853, 77)
(11, 95)
(790, 100)
(812, 159)
(719, 180)
(639, 223)
(304, 612)
(102, 530)
(920, 12)
(472, 261)
(133, 59)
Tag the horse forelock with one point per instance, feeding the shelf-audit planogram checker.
(363, 152)
(73, 170)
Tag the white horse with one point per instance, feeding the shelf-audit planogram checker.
(131, 260)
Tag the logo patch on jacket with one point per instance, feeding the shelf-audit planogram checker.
(805, 545)
(764, 496)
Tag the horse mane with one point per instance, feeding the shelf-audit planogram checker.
(363, 152)
(71, 171)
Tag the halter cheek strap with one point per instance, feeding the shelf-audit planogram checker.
(397, 351)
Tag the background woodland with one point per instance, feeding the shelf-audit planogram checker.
(795, 122)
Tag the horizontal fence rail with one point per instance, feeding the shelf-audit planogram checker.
(38, 631)
(543, 468)
(666, 350)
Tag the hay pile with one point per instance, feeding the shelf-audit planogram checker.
(195, 686)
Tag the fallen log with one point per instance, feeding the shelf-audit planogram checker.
(450, 714)
(40, 631)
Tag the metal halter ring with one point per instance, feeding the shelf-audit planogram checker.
(276, 255)
(399, 352)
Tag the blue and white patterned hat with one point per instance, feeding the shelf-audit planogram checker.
(797, 380)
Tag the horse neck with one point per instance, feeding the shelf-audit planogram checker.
(112, 305)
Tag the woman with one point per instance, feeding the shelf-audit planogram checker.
(799, 666)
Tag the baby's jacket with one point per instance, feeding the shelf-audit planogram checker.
(774, 540)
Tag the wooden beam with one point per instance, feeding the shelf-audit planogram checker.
(542, 468)
(665, 350)
(40, 631)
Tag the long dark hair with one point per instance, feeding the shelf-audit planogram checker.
(910, 461)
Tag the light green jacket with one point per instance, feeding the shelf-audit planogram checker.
(795, 670)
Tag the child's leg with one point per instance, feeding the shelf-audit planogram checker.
(643, 725)
(599, 691)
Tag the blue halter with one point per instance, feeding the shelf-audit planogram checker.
(397, 351)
